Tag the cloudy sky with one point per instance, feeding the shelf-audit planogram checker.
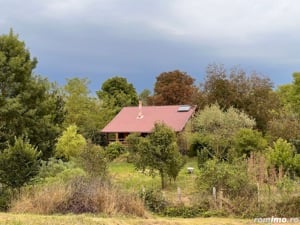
(139, 39)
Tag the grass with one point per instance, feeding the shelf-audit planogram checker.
(29, 219)
(126, 176)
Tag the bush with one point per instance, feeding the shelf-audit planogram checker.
(154, 200)
(198, 143)
(183, 211)
(114, 150)
(55, 170)
(93, 160)
(19, 163)
(5, 197)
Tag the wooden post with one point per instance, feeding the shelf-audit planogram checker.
(117, 136)
(214, 192)
(221, 198)
(179, 194)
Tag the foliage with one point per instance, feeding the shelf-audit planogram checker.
(115, 94)
(220, 126)
(174, 88)
(284, 124)
(29, 105)
(114, 150)
(232, 178)
(183, 211)
(197, 143)
(247, 140)
(283, 154)
(93, 160)
(290, 94)
(70, 144)
(251, 93)
(154, 200)
(158, 151)
(57, 171)
(19, 163)
(144, 96)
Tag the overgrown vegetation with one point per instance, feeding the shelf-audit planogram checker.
(238, 156)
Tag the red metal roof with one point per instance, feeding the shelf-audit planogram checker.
(128, 121)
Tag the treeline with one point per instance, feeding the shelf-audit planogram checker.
(51, 134)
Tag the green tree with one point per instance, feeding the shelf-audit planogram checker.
(29, 105)
(19, 163)
(247, 140)
(232, 178)
(144, 96)
(219, 127)
(283, 154)
(251, 93)
(174, 88)
(82, 109)
(115, 94)
(290, 94)
(157, 152)
(70, 144)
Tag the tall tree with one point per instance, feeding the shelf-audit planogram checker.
(174, 88)
(115, 94)
(252, 93)
(82, 109)
(290, 94)
(29, 105)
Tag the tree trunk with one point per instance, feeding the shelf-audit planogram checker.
(162, 176)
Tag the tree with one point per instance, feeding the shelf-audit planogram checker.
(251, 93)
(29, 105)
(82, 109)
(247, 140)
(219, 127)
(283, 154)
(285, 124)
(19, 163)
(70, 144)
(115, 94)
(157, 152)
(290, 94)
(174, 88)
(144, 96)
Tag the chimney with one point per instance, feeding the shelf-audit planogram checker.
(140, 114)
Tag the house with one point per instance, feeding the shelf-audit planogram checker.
(141, 119)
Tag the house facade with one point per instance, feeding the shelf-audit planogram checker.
(141, 119)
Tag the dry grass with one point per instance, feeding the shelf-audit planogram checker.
(29, 219)
(78, 196)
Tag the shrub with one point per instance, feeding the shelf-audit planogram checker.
(93, 160)
(19, 163)
(114, 150)
(232, 178)
(183, 211)
(70, 143)
(154, 200)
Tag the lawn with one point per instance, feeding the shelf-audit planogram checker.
(28, 219)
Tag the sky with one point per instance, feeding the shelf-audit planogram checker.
(139, 39)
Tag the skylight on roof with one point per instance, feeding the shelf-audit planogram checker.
(184, 108)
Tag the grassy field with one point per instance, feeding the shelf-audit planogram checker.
(126, 176)
(27, 219)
